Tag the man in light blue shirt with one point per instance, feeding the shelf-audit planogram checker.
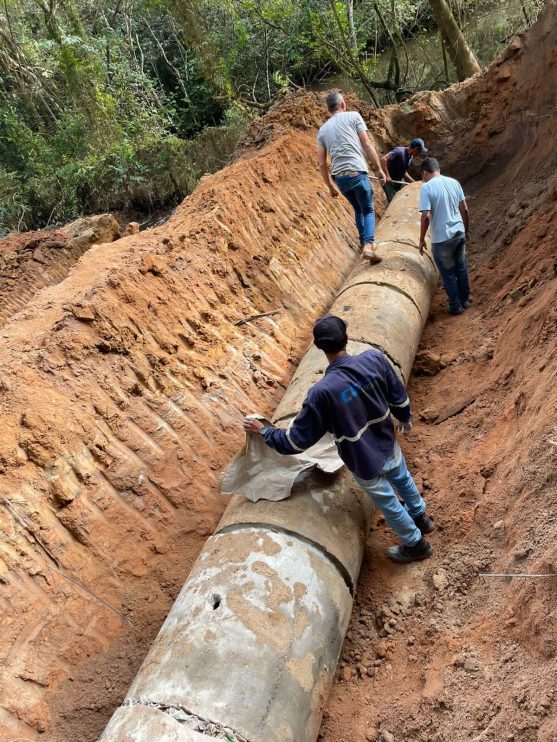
(444, 208)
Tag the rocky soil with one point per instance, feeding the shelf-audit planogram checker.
(123, 389)
(32, 260)
(435, 652)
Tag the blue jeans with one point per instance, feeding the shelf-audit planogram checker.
(380, 490)
(357, 189)
(450, 258)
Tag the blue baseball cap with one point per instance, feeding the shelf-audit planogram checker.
(418, 144)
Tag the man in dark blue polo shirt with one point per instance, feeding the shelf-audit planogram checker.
(355, 401)
(396, 164)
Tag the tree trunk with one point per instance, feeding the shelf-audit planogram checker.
(351, 27)
(394, 64)
(445, 60)
(352, 57)
(461, 55)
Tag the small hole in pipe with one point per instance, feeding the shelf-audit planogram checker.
(215, 602)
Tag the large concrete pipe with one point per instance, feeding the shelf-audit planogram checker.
(250, 647)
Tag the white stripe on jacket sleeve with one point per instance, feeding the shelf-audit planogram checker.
(287, 431)
(404, 404)
(360, 433)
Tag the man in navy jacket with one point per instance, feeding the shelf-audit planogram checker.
(355, 401)
(396, 163)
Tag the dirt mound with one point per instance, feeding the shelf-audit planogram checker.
(32, 260)
(123, 388)
(436, 653)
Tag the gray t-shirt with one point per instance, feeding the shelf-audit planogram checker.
(339, 136)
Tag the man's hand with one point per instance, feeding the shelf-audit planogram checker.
(253, 426)
(422, 247)
(325, 174)
(383, 177)
(404, 428)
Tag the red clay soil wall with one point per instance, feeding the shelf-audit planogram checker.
(435, 653)
(123, 390)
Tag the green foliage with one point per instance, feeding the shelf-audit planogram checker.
(12, 207)
(259, 45)
(105, 105)
(98, 108)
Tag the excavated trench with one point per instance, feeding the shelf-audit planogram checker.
(283, 573)
(124, 386)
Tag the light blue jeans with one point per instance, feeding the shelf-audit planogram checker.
(395, 474)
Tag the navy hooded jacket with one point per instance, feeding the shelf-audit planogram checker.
(353, 401)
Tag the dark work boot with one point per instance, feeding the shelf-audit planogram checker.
(424, 523)
(404, 554)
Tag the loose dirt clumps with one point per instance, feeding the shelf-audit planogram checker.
(123, 389)
(435, 652)
(32, 260)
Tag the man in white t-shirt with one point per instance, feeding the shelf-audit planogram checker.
(345, 139)
(443, 207)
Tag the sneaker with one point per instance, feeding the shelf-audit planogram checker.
(370, 254)
(455, 311)
(424, 523)
(467, 303)
(404, 554)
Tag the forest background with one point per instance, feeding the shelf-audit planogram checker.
(124, 104)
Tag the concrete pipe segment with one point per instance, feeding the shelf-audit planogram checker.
(249, 649)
